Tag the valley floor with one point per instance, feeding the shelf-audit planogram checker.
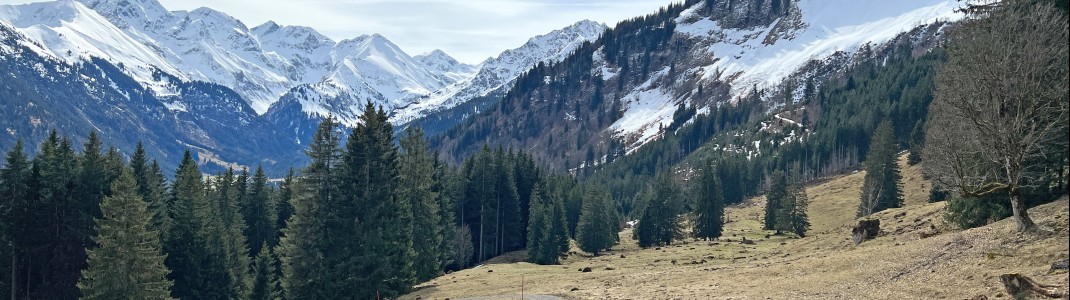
(916, 256)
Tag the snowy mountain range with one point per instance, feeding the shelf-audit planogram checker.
(649, 75)
(202, 80)
(207, 81)
(500, 72)
(267, 62)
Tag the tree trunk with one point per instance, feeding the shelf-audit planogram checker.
(1021, 213)
(481, 222)
(14, 275)
(1021, 286)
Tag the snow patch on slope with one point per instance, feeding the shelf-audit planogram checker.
(647, 110)
(829, 26)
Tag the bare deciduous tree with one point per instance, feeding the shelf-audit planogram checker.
(1000, 104)
(462, 246)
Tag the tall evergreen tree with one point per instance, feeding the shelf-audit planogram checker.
(557, 236)
(301, 248)
(127, 262)
(383, 220)
(300, 257)
(507, 233)
(284, 202)
(15, 205)
(800, 220)
(259, 213)
(791, 215)
(59, 232)
(881, 189)
(417, 179)
(153, 189)
(537, 231)
(597, 229)
(778, 191)
(709, 204)
(916, 143)
(196, 274)
(445, 187)
(660, 223)
(92, 179)
(265, 279)
(547, 230)
(527, 176)
(224, 228)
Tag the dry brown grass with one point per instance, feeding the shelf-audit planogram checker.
(898, 264)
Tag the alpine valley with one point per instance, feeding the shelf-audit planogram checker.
(711, 149)
(238, 96)
(242, 96)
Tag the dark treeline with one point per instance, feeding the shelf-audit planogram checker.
(371, 216)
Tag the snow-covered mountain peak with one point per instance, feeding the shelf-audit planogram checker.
(499, 73)
(307, 53)
(213, 17)
(436, 55)
(552, 46)
(42, 14)
(125, 14)
(440, 62)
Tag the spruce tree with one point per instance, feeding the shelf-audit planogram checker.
(709, 204)
(416, 185)
(153, 189)
(800, 221)
(224, 228)
(197, 272)
(265, 279)
(127, 262)
(92, 180)
(445, 187)
(57, 223)
(508, 232)
(259, 213)
(881, 189)
(778, 191)
(557, 237)
(596, 228)
(791, 215)
(300, 259)
(383, 219)
(284, 203)
(301, 249)
(660, 223)
(537, 228)
(917, 143)
(15, 205)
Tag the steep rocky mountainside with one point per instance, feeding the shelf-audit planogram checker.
(653, 74)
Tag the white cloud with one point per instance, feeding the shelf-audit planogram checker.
(470, 30)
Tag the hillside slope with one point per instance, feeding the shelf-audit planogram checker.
(899, 264)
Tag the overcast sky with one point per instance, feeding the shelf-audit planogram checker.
(469, 30)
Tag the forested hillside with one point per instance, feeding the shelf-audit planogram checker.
(363, 204)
